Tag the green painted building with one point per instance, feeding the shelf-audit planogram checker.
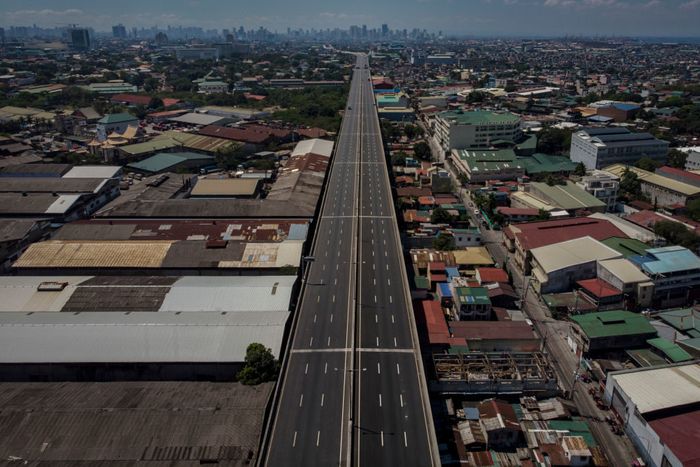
(612, 330)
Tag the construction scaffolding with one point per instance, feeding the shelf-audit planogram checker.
(494, 373)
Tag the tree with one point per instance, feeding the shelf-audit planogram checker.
(230, 157)
(677, 158)
(422, 151)
(156, 103)
(140, 112)
(648, 164)
(260, 365)
(543, 215)
(693, 208)
(630, 184)
(676, 233)
(580, 169)
(444, 242)
(399, 158)
(410, 131)
(440, 216)
(553, 140)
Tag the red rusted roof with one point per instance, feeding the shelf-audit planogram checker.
(599, 288)
(536, 234)
(133, 99)
(681, 433)
(487, 275)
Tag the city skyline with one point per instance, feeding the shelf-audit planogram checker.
(541, 18)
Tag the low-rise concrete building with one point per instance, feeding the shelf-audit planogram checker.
(557, 267)
(624, 276)
(675, 272)
(608, 331)
(471, 303)
(603, 186)
(115, 123)
(661, 190)
(600, 147)
(479, 165)
(658, 407)
(476, 129)
(521, 239)
(568, 197)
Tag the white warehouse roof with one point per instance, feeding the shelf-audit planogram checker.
(141, 337)
(660, 388)
(321, 147)
(93, 171)
(189, 293)
(572, 252)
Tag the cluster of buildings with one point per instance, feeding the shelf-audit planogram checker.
(522, 230)
(201, 256)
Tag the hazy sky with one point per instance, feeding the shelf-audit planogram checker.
(467, 17)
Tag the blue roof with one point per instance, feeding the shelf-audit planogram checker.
(471, 413)
(452, 272)
(298, 231)
(667, 259)
(625, 107)
(445, 289)
(600, 118)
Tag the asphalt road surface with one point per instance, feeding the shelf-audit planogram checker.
(353, 391)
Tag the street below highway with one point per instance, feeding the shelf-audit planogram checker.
(618, 449)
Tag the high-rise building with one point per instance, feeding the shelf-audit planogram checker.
(80, 38)
(385, 30)
(119, 31)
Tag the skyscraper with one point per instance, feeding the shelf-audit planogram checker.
(385, 30)
(80, 38)
(119, 31)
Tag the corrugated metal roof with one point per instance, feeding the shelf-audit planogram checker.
(174, 423)
(236, 293)
(145, 293)
(572, 252)
(321, 147)
(63, 254)
(137, 337)
(93, 171)
(661, 388)
(225, 187)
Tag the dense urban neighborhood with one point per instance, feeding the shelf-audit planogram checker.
(362, 246)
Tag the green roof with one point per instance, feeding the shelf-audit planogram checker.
(149, 146)
(672, 351)
(613, 323)
(163, 161)
(117, 118)
(421, 282)
(530, 142)
(646, 357)
(545, 163)
(473, 295)
(626, 246)
(567, 196)
(480, 117)
(486, 160)
(684, 319)
(575, 428)
(693, 343)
